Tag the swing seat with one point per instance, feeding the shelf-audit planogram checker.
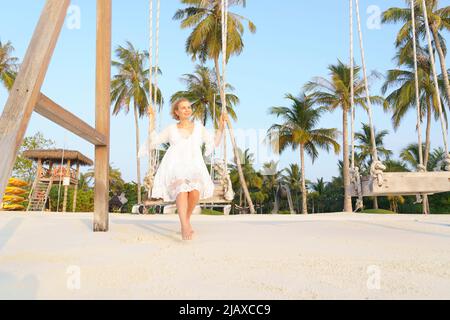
(404, 183)
(217, 198)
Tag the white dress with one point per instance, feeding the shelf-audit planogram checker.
(182, 168)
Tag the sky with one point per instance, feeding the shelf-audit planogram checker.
(295, 41)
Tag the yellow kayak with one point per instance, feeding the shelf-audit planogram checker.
(15, 191)
(13, 207)
(14, 182)
(13, 199)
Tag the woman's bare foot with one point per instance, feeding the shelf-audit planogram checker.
(191, 230)
(186, 233)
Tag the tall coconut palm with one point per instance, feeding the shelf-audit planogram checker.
(438, 19)
(410, 155)
(334, 93)
(130, 88)
(402, 97)
(299, 130)
(205, 42)
(318, 188)
(254, 180)
(364, 145)
(115, 179)
(293, 178)
(202, 90)
(365, 148)
(8, 65)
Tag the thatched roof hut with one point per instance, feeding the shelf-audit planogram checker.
(56, 155)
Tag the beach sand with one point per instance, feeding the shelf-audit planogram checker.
(329, 256)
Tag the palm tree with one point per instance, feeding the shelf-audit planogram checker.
(271, 179)
(255, 181)
(293, 178)
(205, 42)
(8, 65)
(438, 19)
(299, 130)
(365, 145)
(202, 90)
(318, 188)
(395, 166)
(410, 155)
(402, 98)
(335, 93)
(130, 87)
(115, 179)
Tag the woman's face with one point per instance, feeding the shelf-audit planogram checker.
(184, 111)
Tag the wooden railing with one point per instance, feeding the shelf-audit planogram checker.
(58, 172)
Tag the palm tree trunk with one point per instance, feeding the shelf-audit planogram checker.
(304, 194)
(346, 168)
(138, 161)
(233, 142)
(428, 135)
(425, 203)
(441, 58)
(375, 202)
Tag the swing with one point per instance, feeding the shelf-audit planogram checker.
(223, 192)
(381, 183)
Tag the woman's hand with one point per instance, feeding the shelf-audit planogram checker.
(151, 113)
(223, 119)
(151, 116)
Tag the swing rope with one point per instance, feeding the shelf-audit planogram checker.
(420, 167)
(436, 85)
(354, 170)
(377, 167)
(153, 155)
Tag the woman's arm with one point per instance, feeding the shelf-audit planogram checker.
(219, 133)
(213, 141)
(154, 139)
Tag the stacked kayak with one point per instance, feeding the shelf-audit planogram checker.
(15, 194)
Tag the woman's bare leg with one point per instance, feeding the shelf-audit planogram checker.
(182, 206)
(193, 198)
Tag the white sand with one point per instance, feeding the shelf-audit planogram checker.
(234, 257)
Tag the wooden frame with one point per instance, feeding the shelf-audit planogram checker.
(25, 97)
(404, 183)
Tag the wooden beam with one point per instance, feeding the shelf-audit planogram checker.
(102, 114)
(27, 86)
(57, 114)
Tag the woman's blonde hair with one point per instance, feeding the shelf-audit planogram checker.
(175, 106)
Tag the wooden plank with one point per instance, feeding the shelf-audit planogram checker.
(102, 114)
(57, 114)
(406, 183)
(27, 86)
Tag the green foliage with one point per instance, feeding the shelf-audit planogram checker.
(24, 168)
(202, 89)
(209, 212)
(379, 211)
(8, 65)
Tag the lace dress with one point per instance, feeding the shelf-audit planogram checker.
(182, 168)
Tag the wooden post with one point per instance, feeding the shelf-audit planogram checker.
(66, 188)
(27, 86)
(75, 192)
(102, 114)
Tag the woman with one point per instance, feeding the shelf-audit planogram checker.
(182, 175)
